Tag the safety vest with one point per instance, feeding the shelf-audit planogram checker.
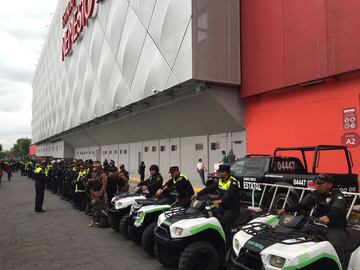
(176, 179)
(47, 169)
(81, 174)
(38, 170)
(225, 184)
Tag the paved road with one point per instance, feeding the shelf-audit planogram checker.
(60, 238)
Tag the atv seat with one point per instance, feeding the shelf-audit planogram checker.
(146, 201)
(245, 217)
(353, 241)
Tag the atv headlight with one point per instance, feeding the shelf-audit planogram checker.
(118, 204)
(277, 261)
(178, 231)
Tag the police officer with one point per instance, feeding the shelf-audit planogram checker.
(40, 181)
(80, 193)
(330, 210)
(181, 184)
(154, 182)
(227, 207)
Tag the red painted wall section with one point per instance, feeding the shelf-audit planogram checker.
(32, 150)
(289, 42)
(303, 117)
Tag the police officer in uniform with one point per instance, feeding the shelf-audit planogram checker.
(40, 181)
(227, 207)
(329, 209)
(181, 184)
(154, 182)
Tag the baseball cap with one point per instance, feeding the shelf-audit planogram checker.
(224, 168)
(173, 169)
(322, 178)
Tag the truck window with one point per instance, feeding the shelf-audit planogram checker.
(238, 167)
(255, 166)
(288, 165)
(332, 162)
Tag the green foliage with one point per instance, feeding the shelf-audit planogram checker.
(21, 148)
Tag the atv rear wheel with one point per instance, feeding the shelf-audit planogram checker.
(199, 256)
(123, 225)
(147, 239)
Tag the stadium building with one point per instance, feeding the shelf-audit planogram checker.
(169, 81)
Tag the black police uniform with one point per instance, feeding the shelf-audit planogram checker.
(229, 194)
(40, 180)
(182, 185)
(153, 183)
(332, 205)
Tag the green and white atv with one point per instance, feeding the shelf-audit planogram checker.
(265, 244)
(193, 238)
(120, 208)
(143, 219)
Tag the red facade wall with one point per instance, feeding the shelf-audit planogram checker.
(285, 42)
(32, 150)
(303, 116)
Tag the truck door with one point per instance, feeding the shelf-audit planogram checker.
(253, 175)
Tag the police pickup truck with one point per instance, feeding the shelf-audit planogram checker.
(292, 170)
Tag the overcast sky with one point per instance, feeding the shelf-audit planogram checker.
(23, 27)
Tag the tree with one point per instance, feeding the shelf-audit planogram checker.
(21, 148)
(1, 148)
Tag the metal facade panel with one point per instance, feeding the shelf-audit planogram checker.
(216, 40)
(286, 43)
(128, 49)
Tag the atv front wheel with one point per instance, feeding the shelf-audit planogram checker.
(114, 223)
(123, 226)
(147, 239)
(199, 256)
(132, 235)
(166, 257)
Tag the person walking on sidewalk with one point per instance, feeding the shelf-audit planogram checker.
(141, 171)
(9, 170)
(224, 158)
(1, 172)
(201, 170)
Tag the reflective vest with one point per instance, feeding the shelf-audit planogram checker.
(225, 184)
(38, 170)
(78, 181)
(47, 169)
(176, 179)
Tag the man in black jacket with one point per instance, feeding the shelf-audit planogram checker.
(227, 207)
(180, 183)
(330, 209)
(154, 182)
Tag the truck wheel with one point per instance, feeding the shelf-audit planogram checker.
(147, 239)
(165, 257)
(123, 226)
(199, 256)
(279, 201)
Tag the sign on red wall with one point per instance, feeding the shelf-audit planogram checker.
(350, 139)
(349, 118)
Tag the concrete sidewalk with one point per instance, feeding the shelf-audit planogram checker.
(60, 238)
